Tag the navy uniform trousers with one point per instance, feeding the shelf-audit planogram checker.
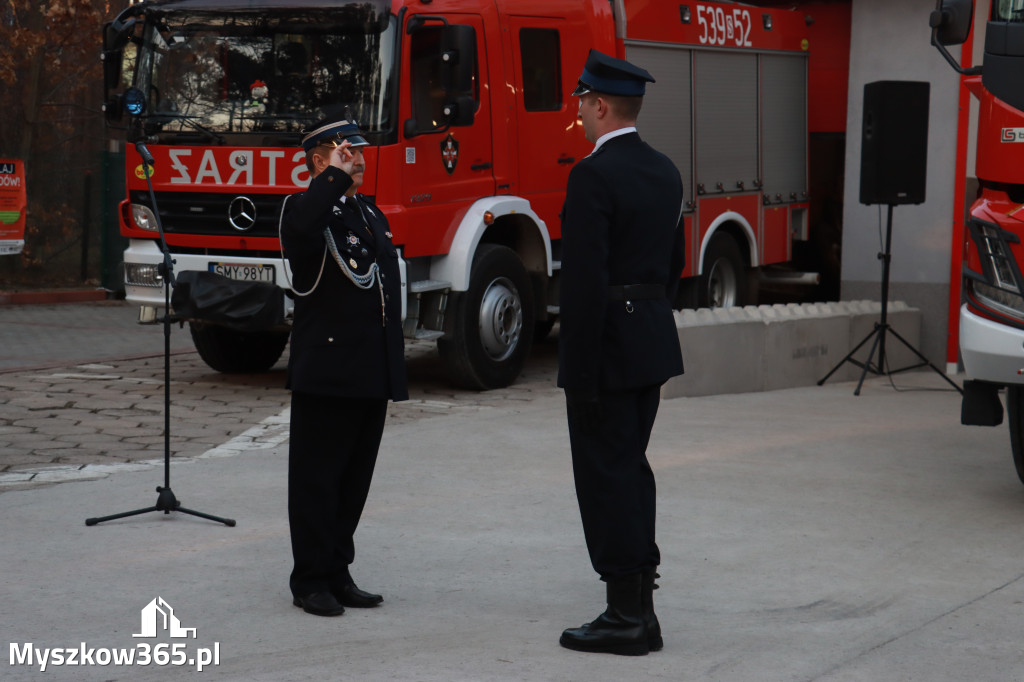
(334, 442)
(614, 481)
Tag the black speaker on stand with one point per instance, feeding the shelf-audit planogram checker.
(893, 171)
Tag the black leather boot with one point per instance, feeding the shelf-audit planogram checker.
(647, 588)
(621, 629)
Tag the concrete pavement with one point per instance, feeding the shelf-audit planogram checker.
(807, 534)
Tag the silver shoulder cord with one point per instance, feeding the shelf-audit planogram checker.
(362, 281)
(284, 261)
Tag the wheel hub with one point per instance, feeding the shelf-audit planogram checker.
(501, 319)
(722, 285)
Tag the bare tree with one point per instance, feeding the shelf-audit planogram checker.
(51, 76)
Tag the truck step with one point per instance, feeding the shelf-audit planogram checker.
(424, 285)
(789, 277)
(427, 335)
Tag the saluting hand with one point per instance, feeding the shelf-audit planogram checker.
(344, 157)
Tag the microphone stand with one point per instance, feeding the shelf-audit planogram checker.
(166, 502)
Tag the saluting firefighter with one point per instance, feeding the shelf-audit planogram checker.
(622, 256)
(347, 360)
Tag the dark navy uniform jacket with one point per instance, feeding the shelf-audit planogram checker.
(341, 344)
(620, 225)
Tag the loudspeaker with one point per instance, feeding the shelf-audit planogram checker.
(894, 142)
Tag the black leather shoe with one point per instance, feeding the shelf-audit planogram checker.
(621, 629)
(319, 604)
(350, 595)
(609, 633)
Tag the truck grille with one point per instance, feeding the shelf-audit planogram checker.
(209, 213)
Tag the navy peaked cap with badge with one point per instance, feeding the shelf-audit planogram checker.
(611, 76)
(334, 130)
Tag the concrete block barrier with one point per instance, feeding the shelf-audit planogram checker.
(765, 348)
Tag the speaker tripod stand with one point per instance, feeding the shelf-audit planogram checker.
(882, 328)
(166, 501)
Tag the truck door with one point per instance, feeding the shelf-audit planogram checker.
(445, 168)
(547, 145)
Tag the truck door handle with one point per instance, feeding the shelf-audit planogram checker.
(480, 166)
(566, 159)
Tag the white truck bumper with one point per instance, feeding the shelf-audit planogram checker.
(143, 286)
(991, 352)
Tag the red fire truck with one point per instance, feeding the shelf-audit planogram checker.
(992, 314)
(473, 135)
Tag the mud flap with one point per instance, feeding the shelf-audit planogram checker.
(981, 405)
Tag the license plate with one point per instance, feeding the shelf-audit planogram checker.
(250, 272)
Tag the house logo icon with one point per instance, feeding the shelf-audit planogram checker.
(158, 616)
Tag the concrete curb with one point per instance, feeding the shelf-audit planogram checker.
(52, 296)
(767, 348)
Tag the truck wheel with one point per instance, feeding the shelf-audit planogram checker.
(723, 282)
(489, 329)
(233, 352)
(1015, 413)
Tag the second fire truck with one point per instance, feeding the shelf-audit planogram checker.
(992, 312)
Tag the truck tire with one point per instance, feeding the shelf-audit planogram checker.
(489, 328)
(723, 282)
(233, 352)
(1015, 416)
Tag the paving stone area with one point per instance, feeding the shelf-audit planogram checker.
(59, 418)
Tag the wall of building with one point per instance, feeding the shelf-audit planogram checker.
(891, 41)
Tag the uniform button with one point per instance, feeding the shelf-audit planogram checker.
(330, 339)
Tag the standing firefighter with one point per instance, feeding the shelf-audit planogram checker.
(346, 362)
(622, 256)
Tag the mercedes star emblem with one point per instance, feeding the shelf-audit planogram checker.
(242, 213)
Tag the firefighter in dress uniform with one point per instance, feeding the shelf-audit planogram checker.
(346, 362)
(622, 256)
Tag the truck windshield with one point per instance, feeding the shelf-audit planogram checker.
(1008, 10)
(247, 72)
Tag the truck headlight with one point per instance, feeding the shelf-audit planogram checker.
(144, 217)
(1000, 300)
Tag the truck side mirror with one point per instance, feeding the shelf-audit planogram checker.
(952, 21)
(116, 35)
(951, 24)
(443, 75)
(458, 54)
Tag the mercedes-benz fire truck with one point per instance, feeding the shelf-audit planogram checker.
(992, 314)
(473, 133)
